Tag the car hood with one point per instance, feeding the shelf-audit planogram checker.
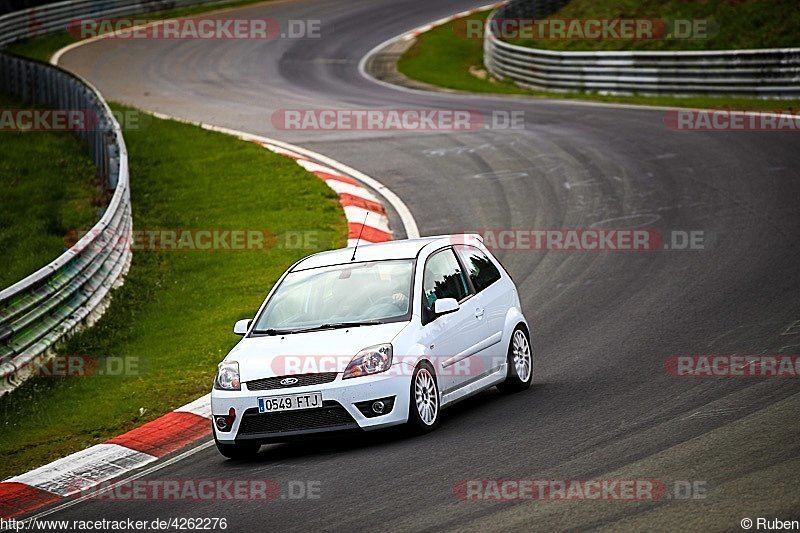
(305, 353)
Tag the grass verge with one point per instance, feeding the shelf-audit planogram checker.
(44, 46)
(173, 316)
(442, 57)
(48, 185)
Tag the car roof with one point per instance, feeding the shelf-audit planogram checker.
(383, 251)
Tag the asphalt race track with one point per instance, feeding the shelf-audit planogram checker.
(602, 405)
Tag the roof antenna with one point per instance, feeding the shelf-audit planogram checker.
(359, 237)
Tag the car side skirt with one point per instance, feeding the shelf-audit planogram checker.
(480, 383)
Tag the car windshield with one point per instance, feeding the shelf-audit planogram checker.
(339, 296)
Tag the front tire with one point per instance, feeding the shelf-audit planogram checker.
(424, 408)
(237, 451)
(520, 363)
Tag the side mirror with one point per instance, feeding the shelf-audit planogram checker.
(241, 326)
(445, 305)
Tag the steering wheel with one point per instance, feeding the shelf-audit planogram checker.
(381, 300)
(384, 302)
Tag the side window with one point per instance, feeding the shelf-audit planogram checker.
(443, 278)
(480, 268)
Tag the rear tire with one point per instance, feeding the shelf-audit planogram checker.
(424, 407)
(237, 451)
(520, 363)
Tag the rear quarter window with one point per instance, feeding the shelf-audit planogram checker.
(480, 268)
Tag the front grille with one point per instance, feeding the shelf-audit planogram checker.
(330, 415)
(303, 380)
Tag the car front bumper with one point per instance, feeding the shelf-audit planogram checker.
(338, 414)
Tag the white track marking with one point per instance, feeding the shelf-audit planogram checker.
(373, 219)
(128, 479)
(200, 407)
(311, 166)
(341, 187)
(84, 469)
(281, 151)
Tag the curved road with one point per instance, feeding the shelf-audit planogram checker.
(603, 405)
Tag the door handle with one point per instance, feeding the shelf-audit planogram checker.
(479, 313)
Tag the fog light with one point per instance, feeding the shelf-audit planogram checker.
(376, 406)
(225, 423)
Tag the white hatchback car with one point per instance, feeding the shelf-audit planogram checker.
(366, 338)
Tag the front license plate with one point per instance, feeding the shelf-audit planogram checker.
(290, 402)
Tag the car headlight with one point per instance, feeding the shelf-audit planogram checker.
(372, 360)
(228, 376)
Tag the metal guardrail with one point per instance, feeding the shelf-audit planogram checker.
(765, 72)
(36, 21)
(73, 290)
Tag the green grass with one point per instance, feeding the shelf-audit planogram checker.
(48, 185)
(443, 57)
(176, 309)
(736, 24)
(44, 46)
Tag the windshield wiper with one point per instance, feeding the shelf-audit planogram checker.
(339, 325)
(331, 325)
(272, 331)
